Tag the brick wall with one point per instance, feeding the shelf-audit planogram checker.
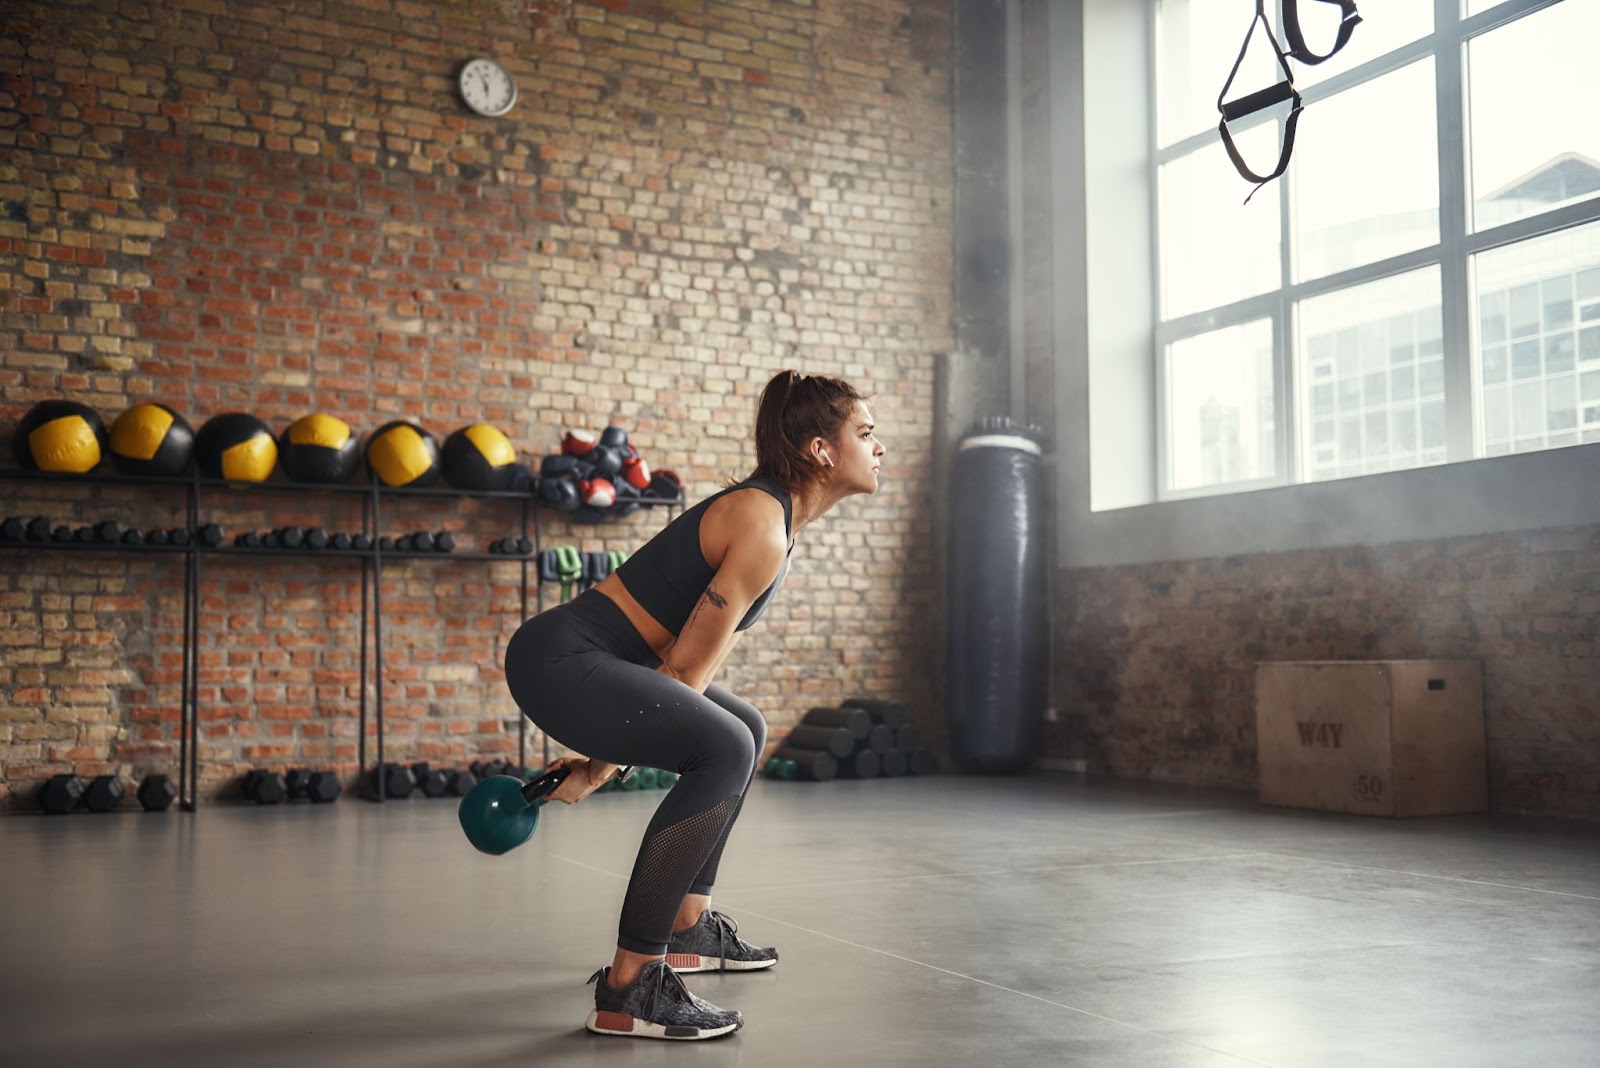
(281, 207)
(1155, 665)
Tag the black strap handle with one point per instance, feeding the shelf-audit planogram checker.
(1256, 101)
(1298, 49)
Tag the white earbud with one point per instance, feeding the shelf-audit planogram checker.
(827, 459)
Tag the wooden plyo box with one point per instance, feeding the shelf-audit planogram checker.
(1376, 737)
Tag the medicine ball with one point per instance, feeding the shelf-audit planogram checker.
(319, 448)
(61, 436)
(151, 439)
(403, 454)
(479, 457)
(236, 446)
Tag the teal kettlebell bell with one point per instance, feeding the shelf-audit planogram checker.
(501, 812)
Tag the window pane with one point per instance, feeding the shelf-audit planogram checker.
(1535, 144)
(1402, 22)
(1196, 44)
(1365, 190)
(1388, 419)
(1215, 249)
(1531, 290)
(1219, 418)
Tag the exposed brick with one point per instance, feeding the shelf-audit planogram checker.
(238, 207)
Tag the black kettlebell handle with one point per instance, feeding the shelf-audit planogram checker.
(545, 785)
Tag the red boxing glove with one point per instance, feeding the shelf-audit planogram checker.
(598, 492)
(637, 472)
(578, 442)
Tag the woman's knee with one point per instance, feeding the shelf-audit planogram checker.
(729, 750)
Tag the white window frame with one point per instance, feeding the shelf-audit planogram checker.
(1451, 254)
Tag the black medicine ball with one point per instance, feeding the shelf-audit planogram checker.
(319, 448)
(60, 436)
(403, 454)
(479, 457)
(151, 439)
(236, 446)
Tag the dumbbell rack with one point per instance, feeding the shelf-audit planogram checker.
(372, 563)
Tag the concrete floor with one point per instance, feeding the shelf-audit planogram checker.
(1042, 920)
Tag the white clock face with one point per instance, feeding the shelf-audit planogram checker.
(487, 88)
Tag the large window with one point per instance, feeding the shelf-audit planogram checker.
(1423, 284)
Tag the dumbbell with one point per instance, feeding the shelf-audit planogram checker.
(265, 787)
(179, 536)
(250, 539)
(432, 782)
(444, 542)
(13, 530)
(361, 542)
(314, 538)
(461, 782)
(83, 535)
(156, 792)
(419, 542)
(38, 529)
(339, 542)
(512, 546)
(155, 537)
(61, 794)
(320, 787)
(61, 533)
(210, 535)
(286, 538)
(396, 780)
(132, 537)
(386, 544)
(104, 793)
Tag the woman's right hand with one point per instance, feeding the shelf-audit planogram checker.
(584, 777)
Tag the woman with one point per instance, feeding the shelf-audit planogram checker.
(623, 672)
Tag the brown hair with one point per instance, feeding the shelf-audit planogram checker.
(794, 409)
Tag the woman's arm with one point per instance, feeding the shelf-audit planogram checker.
(755, 546)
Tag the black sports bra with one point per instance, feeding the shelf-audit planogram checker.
(668, 575)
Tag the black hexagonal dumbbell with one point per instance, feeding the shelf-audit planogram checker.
(13, 530)
(314, 538)
(210, 535)
(307, 785)
(156, 792)
(265, 787)
(461, 781)
(107, 532)
(104, 794)
(432, 782)
(61, 794)
(396, 779)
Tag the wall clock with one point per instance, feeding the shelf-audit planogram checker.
(487, 87)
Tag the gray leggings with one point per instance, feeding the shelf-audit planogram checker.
(586, 677)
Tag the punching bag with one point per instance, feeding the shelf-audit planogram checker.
(999, 622)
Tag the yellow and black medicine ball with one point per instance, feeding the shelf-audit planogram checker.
(61, 436)
(319, 448)
(479, 457)
(151, 439)
(236, 446)
(403, 454)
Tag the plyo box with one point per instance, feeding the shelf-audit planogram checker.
(1374, 737)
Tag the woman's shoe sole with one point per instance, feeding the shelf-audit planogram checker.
(688, 963)
(618, 1023)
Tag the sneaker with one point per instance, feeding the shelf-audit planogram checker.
(656, 1005)
(714, 945)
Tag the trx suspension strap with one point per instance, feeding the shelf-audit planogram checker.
(1298, 48)
(1283, 90)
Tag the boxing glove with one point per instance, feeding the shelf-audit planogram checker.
(636, 473)
(597, 492)
(578, 442)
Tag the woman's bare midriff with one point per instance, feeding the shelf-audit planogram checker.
(656, 636)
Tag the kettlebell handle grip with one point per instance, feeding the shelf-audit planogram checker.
(545, 785)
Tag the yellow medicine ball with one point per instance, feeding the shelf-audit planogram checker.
(479, 457)
(60, 436)
(236, 446)
(319, 448)
(151, 439)
(403, 454)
